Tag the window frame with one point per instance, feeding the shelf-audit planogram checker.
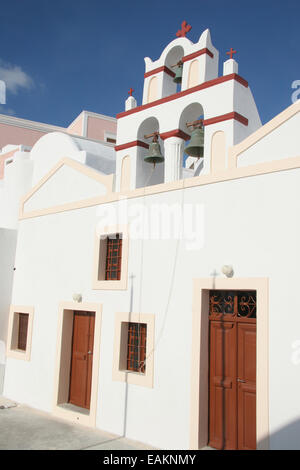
(13, 332)
(120, 371)
(100, 253)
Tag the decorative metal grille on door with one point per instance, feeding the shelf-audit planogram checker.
(235, 303)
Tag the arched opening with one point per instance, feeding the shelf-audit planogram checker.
(193, 112)
(146, 173)
(173, 57)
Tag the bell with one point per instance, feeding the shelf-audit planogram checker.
(154, 155)
(178, 75)
(196, 145)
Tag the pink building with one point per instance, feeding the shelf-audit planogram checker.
(16, 132)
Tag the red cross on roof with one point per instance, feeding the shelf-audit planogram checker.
(185, 28)
(130, 91)
(231, 52)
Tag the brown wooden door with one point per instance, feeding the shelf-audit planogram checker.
(223, 385)
(82, 359)
(232, 383)
(246, 386)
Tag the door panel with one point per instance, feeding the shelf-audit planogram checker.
(223, 385)
(247, 386)
(82, 359)
(90, 360)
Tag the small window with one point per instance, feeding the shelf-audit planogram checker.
(22, 330)
(133, 360)
(110, 138)
(136, 347)
(113, 257)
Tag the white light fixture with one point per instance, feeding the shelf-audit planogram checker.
(227, 270)
(77, 297)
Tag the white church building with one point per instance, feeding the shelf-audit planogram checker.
(149, 294)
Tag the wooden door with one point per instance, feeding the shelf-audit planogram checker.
(246, 386)
(232, 383)
(82, 359)
(222, 385)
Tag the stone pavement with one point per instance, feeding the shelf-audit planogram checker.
(24, 428)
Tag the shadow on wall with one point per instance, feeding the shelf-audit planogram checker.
(285, 438)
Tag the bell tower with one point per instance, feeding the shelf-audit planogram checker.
(181, 90)
(195, 63)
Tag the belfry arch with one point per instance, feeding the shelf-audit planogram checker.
(146, 174)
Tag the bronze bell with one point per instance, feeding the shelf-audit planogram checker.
(154, 156)
(196, 146)
(178, 74)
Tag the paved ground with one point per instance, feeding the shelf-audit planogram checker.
(23, 428)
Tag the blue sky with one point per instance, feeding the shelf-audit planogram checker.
(60, 57)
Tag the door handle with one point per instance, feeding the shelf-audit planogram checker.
(241, 381)
(90, 352)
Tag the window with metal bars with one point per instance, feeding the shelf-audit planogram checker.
(22, 330)
(113, 257)
(136, 349)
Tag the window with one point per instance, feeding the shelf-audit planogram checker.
(20, 332)
(110, 137)
(136, 348)
(111, 258)
(110, 140)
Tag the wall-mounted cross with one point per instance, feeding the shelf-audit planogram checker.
(231, 52)
(130, 91)
(185, 28)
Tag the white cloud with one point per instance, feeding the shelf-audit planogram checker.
(14, 77)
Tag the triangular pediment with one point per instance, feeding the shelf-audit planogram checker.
(68, 183)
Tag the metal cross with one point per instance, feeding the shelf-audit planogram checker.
(185, 28)
(130, 91)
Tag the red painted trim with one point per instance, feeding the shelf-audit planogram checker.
(210, 83)
(241, 80)
(135, 143)
(163, 68)
(226, 117)
(175, 133)
(196, 54)
(183, 135)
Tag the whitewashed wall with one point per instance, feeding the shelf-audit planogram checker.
(8, 241)
(281, 142)
(16, 182)
(248, 223)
